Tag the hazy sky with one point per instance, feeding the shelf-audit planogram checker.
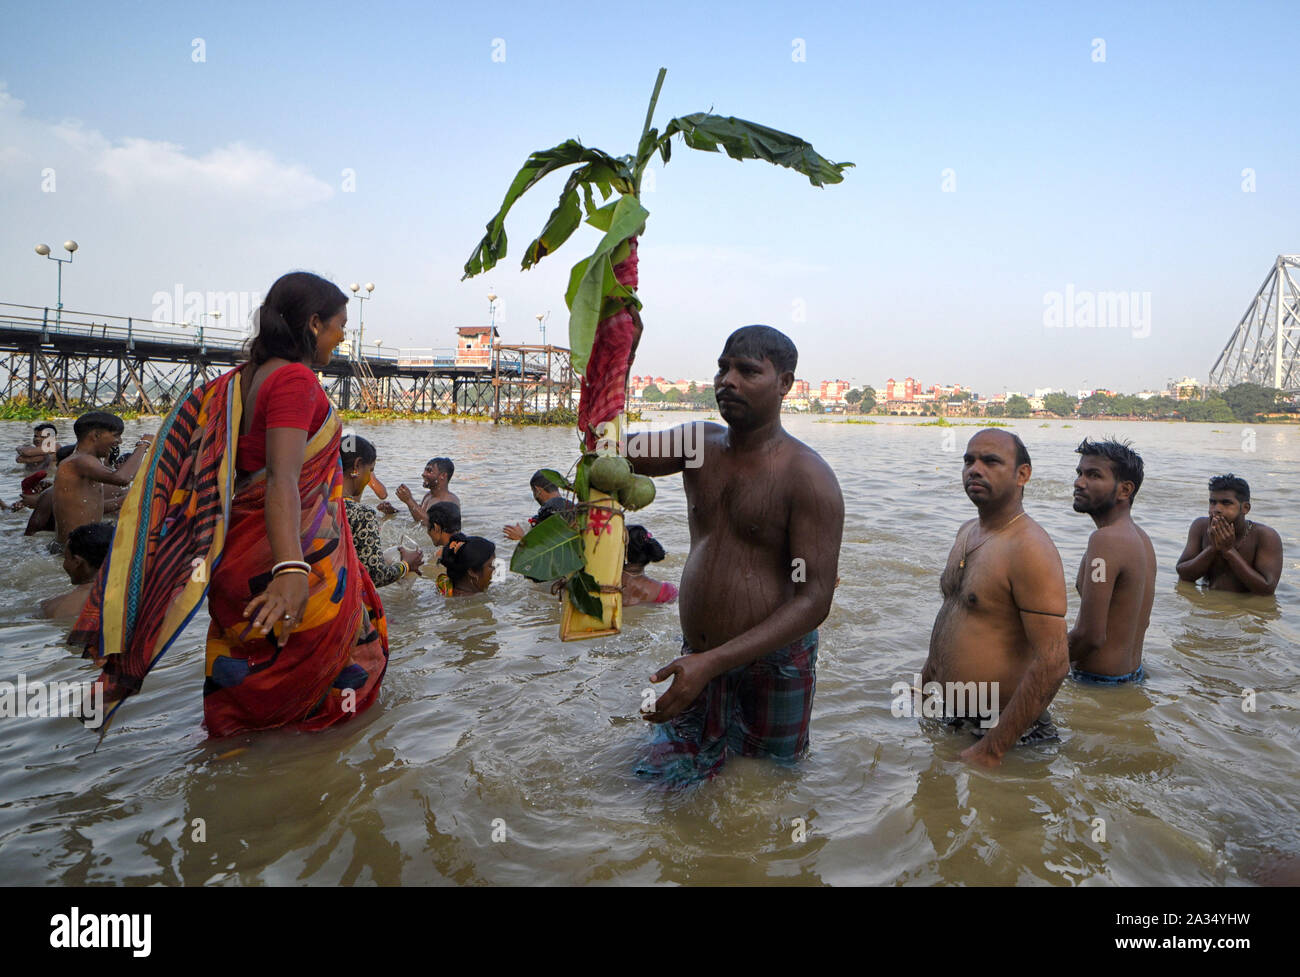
(1004, 153)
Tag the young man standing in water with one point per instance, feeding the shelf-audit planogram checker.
(437, 473)
(78, 491)
(1227, 549)
(766, 517)
(1117, 575)
(1003, 615)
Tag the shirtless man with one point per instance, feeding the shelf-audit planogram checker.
(40, 453)
(1117, 575)
(766, 517)
(1230, 551)
(437, 473)
(1003, 615)
(79, 485)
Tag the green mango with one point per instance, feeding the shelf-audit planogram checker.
(639, 494)
(610, 473)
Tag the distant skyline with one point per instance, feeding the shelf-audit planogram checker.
(1041, 197)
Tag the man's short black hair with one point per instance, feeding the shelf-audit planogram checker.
(43, 425)
(63, 452)
(1125, 463)
(97, 420)
(446, 516)
(92, 542)
(1231, 483)
(542, 482)
(445, 465)
(362, 451)
(763, 343)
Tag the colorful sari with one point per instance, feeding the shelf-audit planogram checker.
(189, 530)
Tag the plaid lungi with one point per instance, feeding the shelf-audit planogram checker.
(759, 710)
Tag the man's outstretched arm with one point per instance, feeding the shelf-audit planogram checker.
(659, 453)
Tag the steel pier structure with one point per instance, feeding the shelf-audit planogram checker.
(1265, 347)
(80, 361)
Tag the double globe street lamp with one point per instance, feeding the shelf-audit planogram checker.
(361, 314)
(44, 251)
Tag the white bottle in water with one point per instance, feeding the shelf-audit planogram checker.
(393, 553)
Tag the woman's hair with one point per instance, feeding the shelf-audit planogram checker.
(283, 317)
(465, 553)
(362, 451)
(642, 548)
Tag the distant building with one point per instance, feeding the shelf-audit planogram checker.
(1184, 389)
(907, 391)
(833, 391)
(474, 345)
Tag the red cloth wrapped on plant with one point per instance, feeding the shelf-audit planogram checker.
(604, 386)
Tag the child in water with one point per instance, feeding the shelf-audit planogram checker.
(444, 522)
(468, 560)
(642, 548)
(87, 548)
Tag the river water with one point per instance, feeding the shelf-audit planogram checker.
(498, 754)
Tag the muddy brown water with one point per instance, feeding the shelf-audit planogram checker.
(489, 726)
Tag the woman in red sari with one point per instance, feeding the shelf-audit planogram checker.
(241, 500)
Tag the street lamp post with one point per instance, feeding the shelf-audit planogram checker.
(202, 316)
(44, 251)
(542, 317)
(361, 314)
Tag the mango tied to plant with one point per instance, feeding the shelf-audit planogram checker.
(604, 331)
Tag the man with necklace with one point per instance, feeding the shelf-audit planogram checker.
(1230, 551)
(1003, 615)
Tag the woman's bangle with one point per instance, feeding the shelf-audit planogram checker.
(302, 565)
(290, 570)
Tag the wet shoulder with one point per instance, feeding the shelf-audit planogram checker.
(1033, 543)
(1268, 532)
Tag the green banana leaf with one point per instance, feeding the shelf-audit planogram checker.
(566, 216)
(552, 549)
(592, 279)
(584, 593)
(749, 140)
(493, 245)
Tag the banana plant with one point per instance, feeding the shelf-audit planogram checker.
(605, 323)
